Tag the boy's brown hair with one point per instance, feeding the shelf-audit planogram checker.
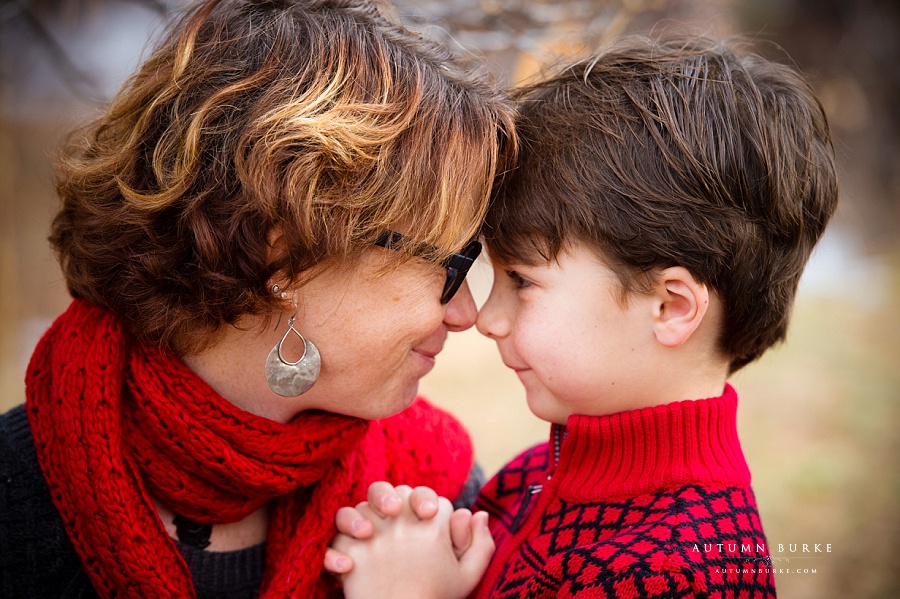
(675, 152)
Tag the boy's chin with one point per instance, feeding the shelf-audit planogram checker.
(545, 408)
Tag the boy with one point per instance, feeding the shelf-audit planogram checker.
(648, 245)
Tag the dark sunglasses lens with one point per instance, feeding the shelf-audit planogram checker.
(472, 250)
(454, 281)
(457, 268)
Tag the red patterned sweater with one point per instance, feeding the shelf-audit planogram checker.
(647, 503)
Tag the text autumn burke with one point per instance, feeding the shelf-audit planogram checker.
(732, 548)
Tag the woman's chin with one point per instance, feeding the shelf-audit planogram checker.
(381, 405)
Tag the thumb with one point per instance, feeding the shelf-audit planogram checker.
(460, 530)
(475, 560)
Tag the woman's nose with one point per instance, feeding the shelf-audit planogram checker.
(460, 312)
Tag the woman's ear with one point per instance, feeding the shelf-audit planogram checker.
(681, 302)
(278, 283)
(277, 248)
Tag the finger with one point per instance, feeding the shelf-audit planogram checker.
(366, 510)
(384, 499)
(337, 562)
(424, 502)
(444, 513)
(475, 560)
(352, 521)
(343, 545)
(460, 531)
(403, 491)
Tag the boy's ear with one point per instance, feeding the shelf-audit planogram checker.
(680, 305)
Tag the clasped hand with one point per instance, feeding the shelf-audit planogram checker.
(406, 542)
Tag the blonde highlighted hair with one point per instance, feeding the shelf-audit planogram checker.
(321, 119)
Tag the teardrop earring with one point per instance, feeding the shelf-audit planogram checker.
(290, 379)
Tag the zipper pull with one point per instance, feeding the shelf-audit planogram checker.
(530, 492)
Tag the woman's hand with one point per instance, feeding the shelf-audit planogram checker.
(409, 542)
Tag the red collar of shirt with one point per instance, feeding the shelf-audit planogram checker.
(651, 449)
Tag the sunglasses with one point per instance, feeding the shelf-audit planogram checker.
(457, 265)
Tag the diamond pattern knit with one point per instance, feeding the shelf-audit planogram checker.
(649, 503)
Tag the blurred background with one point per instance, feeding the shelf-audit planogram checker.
(818, 415)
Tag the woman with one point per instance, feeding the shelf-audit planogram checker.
(266, 236)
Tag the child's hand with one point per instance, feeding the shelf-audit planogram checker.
(405, 556)
(384, 500)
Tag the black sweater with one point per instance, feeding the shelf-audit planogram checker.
(37, 559)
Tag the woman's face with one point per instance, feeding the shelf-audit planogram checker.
(377, 333)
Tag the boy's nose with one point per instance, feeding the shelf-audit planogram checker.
(491, 320)
(460, 312)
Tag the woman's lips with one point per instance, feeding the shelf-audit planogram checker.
(426, 355)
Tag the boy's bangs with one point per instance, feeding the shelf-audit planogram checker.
(531, 217)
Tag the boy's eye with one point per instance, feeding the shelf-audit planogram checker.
(518, 280)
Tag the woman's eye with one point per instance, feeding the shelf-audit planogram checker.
(518, 280)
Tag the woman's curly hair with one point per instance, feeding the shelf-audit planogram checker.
(320, 119)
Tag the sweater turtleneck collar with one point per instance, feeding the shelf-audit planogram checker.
(648, 450)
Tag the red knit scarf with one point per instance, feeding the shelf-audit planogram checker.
(115, 422)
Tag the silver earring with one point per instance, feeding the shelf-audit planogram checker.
(276, 290)
(290, 379)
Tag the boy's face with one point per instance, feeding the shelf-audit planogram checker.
(573, 344)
